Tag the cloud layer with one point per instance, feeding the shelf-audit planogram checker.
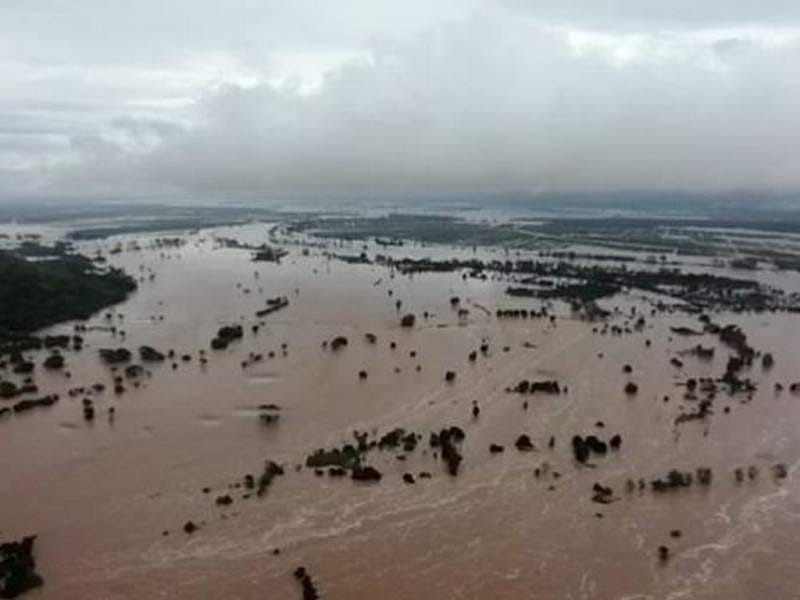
(267, 100)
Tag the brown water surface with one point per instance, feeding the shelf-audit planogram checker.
(99, 495)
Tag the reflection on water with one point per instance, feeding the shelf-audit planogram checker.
(101, 495)
(261, 379)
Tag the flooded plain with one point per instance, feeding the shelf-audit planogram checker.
(109, 498)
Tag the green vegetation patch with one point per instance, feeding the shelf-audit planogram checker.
(35, 294)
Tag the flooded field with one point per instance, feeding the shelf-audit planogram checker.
(109, 497)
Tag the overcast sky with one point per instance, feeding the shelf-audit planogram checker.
(265, 99)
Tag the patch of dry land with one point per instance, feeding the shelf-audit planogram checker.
(235, 420)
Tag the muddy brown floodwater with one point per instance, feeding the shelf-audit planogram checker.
(99, 495)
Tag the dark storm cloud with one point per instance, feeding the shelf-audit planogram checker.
(261, 99)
